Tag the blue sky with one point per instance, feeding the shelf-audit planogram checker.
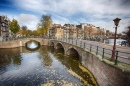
(97, 12)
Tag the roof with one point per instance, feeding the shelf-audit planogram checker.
(56, 25)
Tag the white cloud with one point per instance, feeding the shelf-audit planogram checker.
(29, 20)
(97, 11)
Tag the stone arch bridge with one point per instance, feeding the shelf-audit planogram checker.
(22, 42)
(39, 40)
(69, 49)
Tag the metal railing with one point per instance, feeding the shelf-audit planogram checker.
(17, 38)
(120, 57)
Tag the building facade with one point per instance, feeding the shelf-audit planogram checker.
(4, 28)
(56, 31)
(81, 31)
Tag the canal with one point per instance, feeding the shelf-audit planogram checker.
(41, 66)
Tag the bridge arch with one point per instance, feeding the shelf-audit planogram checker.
(24, 41)
(59, 46)
(52, 44)
(73, 52)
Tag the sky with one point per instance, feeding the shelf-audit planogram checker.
(97, 12)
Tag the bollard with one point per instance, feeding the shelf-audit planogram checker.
(97, 50)
(84, 45)
(80, 43)
(90, 47)
(116, 58)
(103, 54)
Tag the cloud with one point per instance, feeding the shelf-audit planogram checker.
(99, 12)
(74, 6)
(28, 19)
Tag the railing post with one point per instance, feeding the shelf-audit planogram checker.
(76, 42)
(103, 54)
(116, 57)
(97, 50)
(80, 43)
(90, 47)
(84, 45)
(72, 41)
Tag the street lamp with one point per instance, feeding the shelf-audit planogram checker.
(116, 21)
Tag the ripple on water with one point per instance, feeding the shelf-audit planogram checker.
(42, 68)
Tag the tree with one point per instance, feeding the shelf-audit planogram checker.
(39, 31)
(24, 27)
(14, 26)
(127, 32)
(24, 30)
(128, 35)
(45, 23)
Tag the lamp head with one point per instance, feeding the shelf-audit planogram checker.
(116, 21)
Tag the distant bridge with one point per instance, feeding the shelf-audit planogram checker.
(22, 42)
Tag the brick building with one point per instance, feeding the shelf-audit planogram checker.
(4, 28)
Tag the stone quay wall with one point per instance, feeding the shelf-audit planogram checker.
(105, 73)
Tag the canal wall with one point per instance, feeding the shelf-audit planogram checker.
(18, 43)
(10, 44)
(105, 72)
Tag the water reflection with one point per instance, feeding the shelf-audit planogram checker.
(42, 67)
(10, 56)
(32, 45)
(118, 41)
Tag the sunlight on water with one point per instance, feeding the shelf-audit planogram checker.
(44, 67)
(118, 41)
(32, 45)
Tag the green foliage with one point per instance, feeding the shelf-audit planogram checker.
(128, 32)
(44, 24)
(14, 26)
(24, 30)
(24, 27)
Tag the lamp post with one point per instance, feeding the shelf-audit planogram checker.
(116, 21)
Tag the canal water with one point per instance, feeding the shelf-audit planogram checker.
(118, 41)
(43, 67)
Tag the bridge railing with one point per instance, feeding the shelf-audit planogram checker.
(120, 57)
(24, 37)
